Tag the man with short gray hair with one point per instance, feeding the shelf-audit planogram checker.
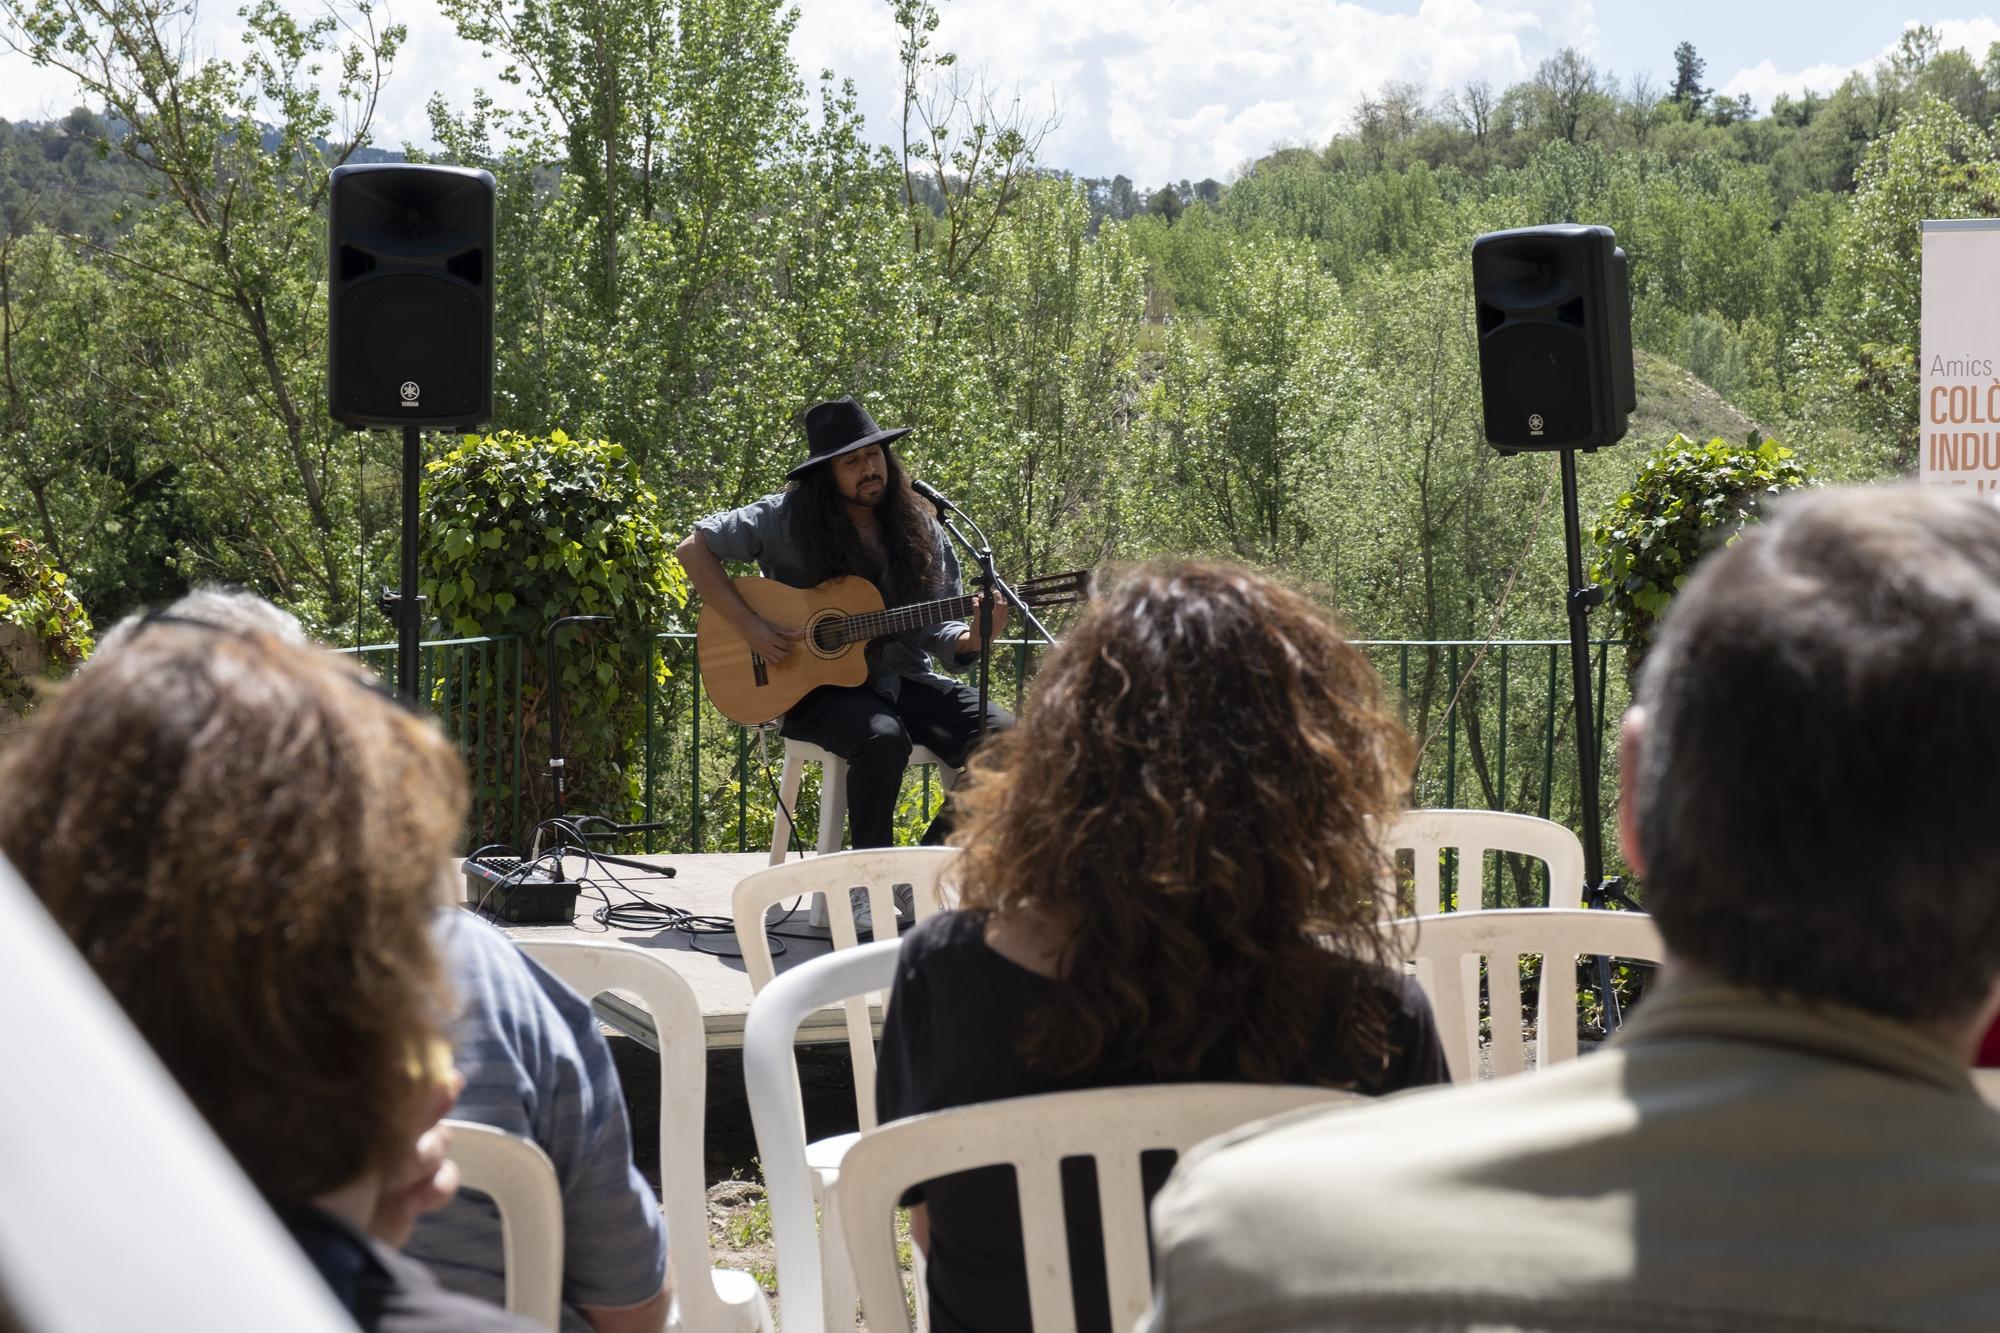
(1785, 1136)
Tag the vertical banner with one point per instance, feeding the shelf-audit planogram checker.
(1958, 410)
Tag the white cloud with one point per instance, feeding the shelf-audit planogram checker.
(1763, 81)
(1194, 88)
(1156, 89)
(434, 59)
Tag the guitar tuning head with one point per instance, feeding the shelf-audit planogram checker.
(1066, 589)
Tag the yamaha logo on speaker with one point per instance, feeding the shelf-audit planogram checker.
(1534, 418)
(411, 392)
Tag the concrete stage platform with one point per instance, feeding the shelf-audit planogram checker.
(701, 885)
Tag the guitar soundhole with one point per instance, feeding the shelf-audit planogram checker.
(826, 635)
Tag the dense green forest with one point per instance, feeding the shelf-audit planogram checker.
(697, 240)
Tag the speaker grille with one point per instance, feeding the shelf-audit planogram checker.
(1535, 383)
(411, 347)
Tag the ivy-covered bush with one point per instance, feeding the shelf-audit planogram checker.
(519, 531)
(1689, 499)
(44, 630)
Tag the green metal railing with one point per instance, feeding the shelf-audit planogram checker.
(1491, 719)
(1519, 756)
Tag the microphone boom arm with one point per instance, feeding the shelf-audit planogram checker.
(981, 551)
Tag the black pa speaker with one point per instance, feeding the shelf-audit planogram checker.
(410, 296)
(1555, 337)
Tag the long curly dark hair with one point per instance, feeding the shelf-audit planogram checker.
(831, 547)
(1193, 794)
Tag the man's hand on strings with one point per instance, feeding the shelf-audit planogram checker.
(771, 642)
(968, 642)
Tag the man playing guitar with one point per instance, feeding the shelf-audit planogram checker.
(848, 510)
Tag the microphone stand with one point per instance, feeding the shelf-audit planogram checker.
(563, 823)
(990, 582)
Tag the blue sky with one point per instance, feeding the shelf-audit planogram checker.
(1165, 89)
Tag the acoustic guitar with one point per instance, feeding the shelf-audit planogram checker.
(837, 618)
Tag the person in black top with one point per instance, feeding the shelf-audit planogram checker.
(1171, 876)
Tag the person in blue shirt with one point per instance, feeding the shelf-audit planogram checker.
(849, 510)
(536, 1065)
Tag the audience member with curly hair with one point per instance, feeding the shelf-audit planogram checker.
(534, 1064)
(189, 810)
(1171, 875)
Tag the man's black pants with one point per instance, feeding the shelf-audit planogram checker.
(875, 736)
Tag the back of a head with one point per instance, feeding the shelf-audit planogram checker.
(1820, 746)
(1195, 782)
(214, 604)
(245, 839)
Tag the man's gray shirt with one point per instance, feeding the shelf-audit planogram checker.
(762, 532)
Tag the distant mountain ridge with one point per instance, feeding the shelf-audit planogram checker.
(58, 172)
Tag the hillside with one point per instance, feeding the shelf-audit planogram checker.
(1672, 401)
(69, 175)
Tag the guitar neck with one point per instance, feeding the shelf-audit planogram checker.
(899, 619)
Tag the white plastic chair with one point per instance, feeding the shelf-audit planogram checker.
(120, 1208)
(705, 1297)
(1476, 832)
(810, 1284)
(878, 870)
(1034, 1135)
(521, 1180)
(1447, 950)
(832, 793)
(875, 869)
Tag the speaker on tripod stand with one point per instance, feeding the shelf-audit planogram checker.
(409, 328)
(1555, 372)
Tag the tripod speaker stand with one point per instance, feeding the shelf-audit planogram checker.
(1555, 373)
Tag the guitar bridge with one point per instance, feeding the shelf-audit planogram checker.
(758, 670)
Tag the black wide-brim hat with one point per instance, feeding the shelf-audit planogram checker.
(841, 427)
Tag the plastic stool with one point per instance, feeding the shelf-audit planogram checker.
(832, 801)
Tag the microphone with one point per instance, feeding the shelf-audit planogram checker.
(931, 493)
